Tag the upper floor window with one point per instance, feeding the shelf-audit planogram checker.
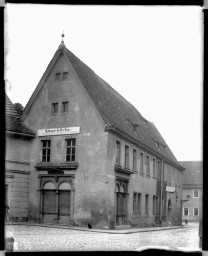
(118, 152)
(158, 169)
(185, 211)
(147, 166)
(126, 164)
(196, 193)
(196, 211)
(134, 160)
(65, 107)
(58, 76)
(141, 162)
(65, 75)
(154, 168)
(46, 150)
(54, 109)
(70, 149)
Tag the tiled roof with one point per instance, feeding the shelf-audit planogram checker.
(117, 111)
(13, 122)
(193, 173)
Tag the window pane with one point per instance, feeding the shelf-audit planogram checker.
(64, 201)
(49, 201)
(73, 158)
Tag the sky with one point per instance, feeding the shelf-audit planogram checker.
(151, 55)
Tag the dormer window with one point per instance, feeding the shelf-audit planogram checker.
(65, 75)
(57, 76)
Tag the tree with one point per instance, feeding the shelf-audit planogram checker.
(19, 108)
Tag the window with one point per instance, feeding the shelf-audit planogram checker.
(54, 109)
(58, 76)
(65, 75)
(46, 150)
(146, 204)
(134, 160)
(49, 198)
(118, 152)
(154, 169)
(158, 170)
(185, 211)
(147, 166)
(64, 198)
(141, 162)
(70, 149)
(65, 105)
(126, 164)
(137, 204)
(6, 195)
(154, 205)
(196, 211)
(196, 193)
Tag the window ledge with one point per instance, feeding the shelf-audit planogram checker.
(142, 174)
(61, 166)
(122, 170)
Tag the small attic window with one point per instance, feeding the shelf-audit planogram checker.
(65, 75)
(57, 76)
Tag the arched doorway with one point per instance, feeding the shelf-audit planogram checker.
(121, 203)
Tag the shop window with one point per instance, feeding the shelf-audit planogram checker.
(196, 193)
(64, 198)
(118, 152)
(147, 166)
(49, 198)
(54, 108)
(65, 75)
(141, 162)
(126, 164)
(57, 76)
(70, 149)
(65, 107)
(185, 211)
(196, 211)
(134, 160)
(46, 150)
(147, 205)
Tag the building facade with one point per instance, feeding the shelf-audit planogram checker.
(17, 163)
(192, 190)
(96, 160)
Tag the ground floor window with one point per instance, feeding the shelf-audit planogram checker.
(137, 204)
(185, 211)
(154, 206)
(196, 211)
(147, 205)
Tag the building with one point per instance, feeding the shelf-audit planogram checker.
(192, 190)
(96, 160)
(17, 163)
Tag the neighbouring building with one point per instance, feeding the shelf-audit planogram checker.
(192, 190)
(17, 163)
(96, 160)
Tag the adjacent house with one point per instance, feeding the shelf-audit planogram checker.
(96, 160)
(17, 163)
(192, 190)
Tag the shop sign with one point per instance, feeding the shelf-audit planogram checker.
(58, 131)
(170, 189)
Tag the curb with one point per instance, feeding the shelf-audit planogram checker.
(127, 231)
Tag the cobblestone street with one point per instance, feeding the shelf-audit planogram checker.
(37, 238)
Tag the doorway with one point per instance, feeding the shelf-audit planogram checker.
(121, 202)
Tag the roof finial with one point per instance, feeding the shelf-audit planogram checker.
(62, 45)
(62, 38)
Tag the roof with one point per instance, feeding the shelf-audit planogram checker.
(114, 109)
(13, 122)
(193, 173)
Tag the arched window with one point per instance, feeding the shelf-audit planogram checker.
(64, 198)
(49, 198)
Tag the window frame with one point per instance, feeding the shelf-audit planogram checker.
(53, 108)
(63, 109)
(142, 162)
(147, 204)
(47, 148)
(194, 211)
(147, 163)
(184, 211)
(126, 157)
(58, 76)
(118, 152)
(134, 167)
(70, 146)
(154, 167)
(65, 73)
(194, 193)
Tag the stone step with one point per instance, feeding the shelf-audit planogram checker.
(122, 227)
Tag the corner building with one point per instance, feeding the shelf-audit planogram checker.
(96, 159)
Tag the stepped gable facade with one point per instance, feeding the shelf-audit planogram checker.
(96, 160)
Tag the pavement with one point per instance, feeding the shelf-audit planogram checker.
(109, 231)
